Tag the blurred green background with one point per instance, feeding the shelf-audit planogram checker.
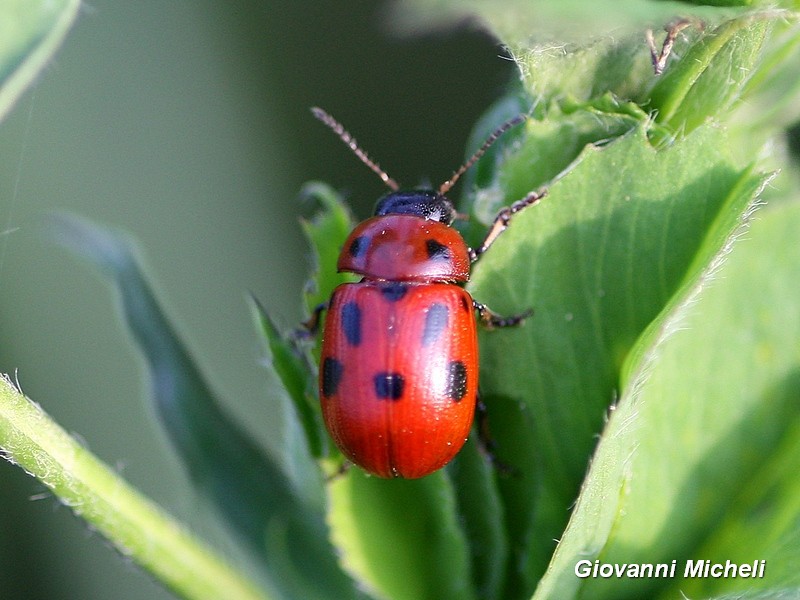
(186, 124)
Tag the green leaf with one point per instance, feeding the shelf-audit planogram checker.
(619, 65)
(402, 537)
(551, 144)
(597, 259)
(517, 22)
(718, 387)
(285, 529)
(293, 369)
(136, 526)
(30, 33)
(770, 95)
(741, 443)
(482, 516)
(703, 83)
(326, 232)
(708, 70)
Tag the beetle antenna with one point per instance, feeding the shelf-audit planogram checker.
(445, 187)
(348, 139)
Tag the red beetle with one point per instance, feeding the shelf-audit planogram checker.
(398, 376)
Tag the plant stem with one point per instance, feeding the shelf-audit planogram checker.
(136, 526)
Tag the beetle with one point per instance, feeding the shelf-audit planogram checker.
(398, 373)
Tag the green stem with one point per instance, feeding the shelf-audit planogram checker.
(44, 26)
(135, 525)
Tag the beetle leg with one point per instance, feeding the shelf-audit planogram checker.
(310, 327)
(659, 58)
(491, 319)
(486, 441)
(482, 418)
(340, 472)
(502, 220)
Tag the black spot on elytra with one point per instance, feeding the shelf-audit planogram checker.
(358, 246)
(332, 371)
(351, 323)
(394, 290)
(435, 323)
(436, 250)
(389, 386)
(465, 305)
(456, 380)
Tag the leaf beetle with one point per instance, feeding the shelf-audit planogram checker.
(398, 373)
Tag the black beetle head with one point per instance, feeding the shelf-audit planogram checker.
(427, 204)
